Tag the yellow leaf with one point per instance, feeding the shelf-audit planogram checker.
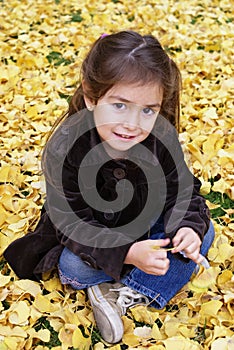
(4, 280)
(32, 112)
(115, 347)
(226, 343)
(65, 335)
(228, 298)
(212, 145)
(11, 342)
(52, 284)
(226, 252)
(28, 286)
(171, 327)
(205, 187)
(205, 277)
(97, 346)
(42, 334)
(227, 152)
(12, 332)
(156, 334)
(180, 343)
(79, 341)
(129, 324)
(143, 314)
(221, 331)
(211, 308)
(220, 186)
(18, 101)
(3, 346)
(19, 313)
(70, 316)
(43, 304)
(82, 316)
(156, 347)
(4, 173)
(225, 276)
(196, 289)
(196, 152)
(130, 339)
(210, 113)
(18, 226)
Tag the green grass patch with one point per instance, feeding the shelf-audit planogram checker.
(43, 323)
(57, 59)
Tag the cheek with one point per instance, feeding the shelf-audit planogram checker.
(104, 131)
(145, 134)
(148, 125)
(103, 116)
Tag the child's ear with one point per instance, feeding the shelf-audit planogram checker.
(89, 103)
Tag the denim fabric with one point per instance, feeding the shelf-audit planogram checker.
(159, 289)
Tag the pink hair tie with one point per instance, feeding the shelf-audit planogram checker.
(103, 35)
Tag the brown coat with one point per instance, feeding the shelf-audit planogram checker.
(67, 220)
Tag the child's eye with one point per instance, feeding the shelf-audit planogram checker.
(119, 105)
(148, 111)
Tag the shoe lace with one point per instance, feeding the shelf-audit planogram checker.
(128, 297)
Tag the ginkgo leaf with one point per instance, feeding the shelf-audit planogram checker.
(205, 277)
(28, 286)
(41, 58)
(4, 280)
(65, 335)
(130, 340)
(43, 304)
(42, 334)
(179, 343)
(143, 314)
(79, 341)
(221, 186)
(211, 308)
(226, 343)
(20, 312)
(12, 331)
(224, 277)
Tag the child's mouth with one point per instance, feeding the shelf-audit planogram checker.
(124, 136)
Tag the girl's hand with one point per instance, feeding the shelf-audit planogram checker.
(188, 241)
(148, 257)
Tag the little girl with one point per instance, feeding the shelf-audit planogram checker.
(123, 215)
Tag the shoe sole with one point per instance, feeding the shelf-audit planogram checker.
(107, 319)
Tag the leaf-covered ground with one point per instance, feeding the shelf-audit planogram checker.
(42, 44)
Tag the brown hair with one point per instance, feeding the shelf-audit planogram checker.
(128, 57)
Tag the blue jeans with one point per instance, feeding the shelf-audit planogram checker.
(159, 289)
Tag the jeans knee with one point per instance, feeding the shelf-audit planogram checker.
(65, 263)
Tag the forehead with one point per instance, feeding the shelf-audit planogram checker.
(141, 94)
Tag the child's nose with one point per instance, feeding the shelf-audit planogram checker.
(132, 121)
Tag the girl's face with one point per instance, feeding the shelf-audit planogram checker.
(126, 114)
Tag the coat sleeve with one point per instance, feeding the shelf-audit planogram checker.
(185, 206)
(77, 227)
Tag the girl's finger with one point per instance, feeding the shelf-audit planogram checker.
(201, 260)
(193, 247)
(181, 246)
(159, 243)
(160, 254)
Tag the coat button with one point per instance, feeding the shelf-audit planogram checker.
(119, 173)
(109, 214)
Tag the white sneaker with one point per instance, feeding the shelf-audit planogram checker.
(110, 301)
